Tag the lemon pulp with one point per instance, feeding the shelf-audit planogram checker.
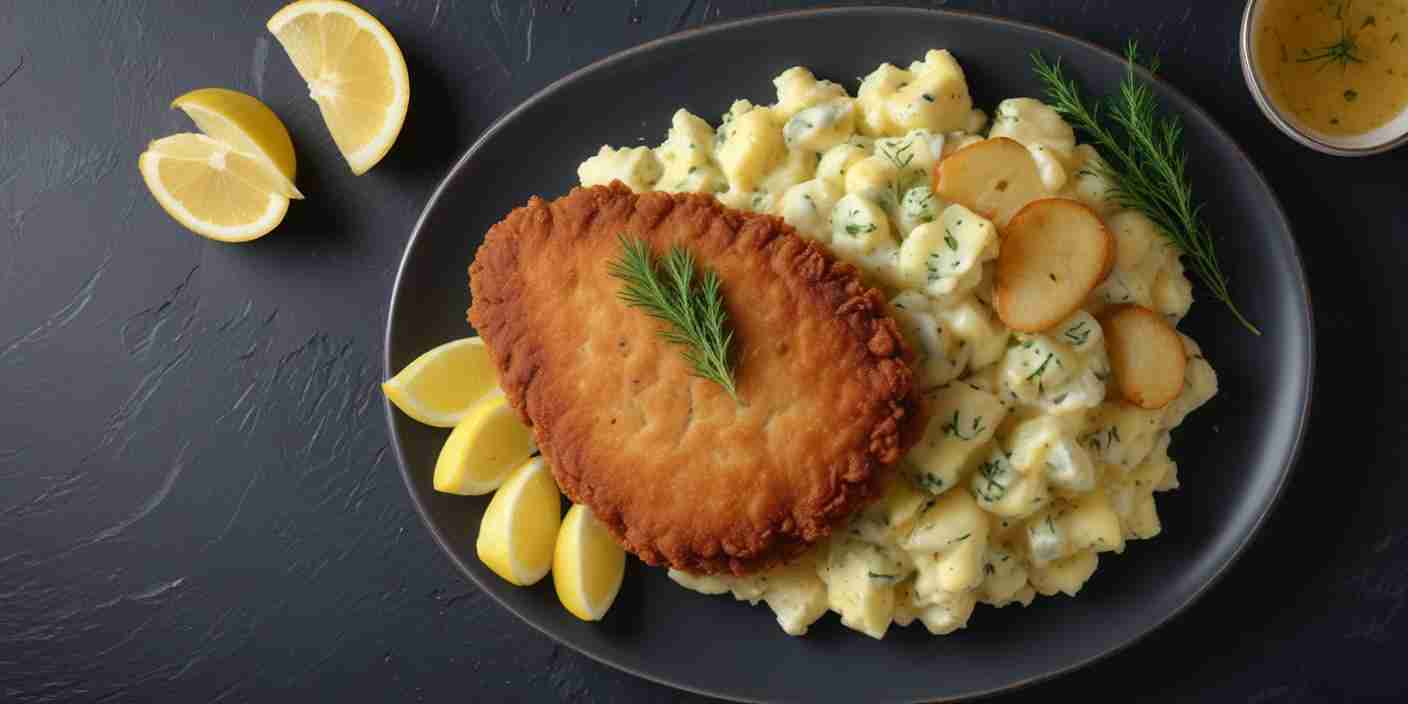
(355, 73)
(588, 566)
(247, 126)
(483, 449)
(439, 387)
(519, 529)
(211, 189)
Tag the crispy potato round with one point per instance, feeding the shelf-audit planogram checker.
(1055, 251)
(1146, 355)
(994, 178)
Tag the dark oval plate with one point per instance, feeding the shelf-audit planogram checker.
(1234, 454)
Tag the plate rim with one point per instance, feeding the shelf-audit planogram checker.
(1277, 210)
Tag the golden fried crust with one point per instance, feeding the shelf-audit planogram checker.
(680, 473)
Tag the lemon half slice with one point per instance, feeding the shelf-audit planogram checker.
(245, 125)
(354, 71)
(440, 386)
(484, 448)
(211, 189)
(588, 566)
(520, 526)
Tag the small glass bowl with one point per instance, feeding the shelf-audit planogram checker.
(1375, 141)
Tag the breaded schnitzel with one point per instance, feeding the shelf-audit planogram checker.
(679, 472)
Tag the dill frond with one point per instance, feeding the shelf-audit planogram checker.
(1144, 162)
(693, 312)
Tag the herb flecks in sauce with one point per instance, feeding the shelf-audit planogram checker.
(1350, 72)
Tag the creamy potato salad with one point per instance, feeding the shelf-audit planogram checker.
(1033, 464)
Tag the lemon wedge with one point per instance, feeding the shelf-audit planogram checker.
(440, 386)
(483, 449)
(519, 529)
(247, 126)
(212, 189)
(587, 566)
(355, 73)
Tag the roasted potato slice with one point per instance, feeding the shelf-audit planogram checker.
(1055, 251)
(1146, 355)
(994, 178)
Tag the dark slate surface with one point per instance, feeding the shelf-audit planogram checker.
(196, 497)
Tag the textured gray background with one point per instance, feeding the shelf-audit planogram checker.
(197, 502)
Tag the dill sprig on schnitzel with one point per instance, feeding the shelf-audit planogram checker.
(1144, 163)
(693, 313)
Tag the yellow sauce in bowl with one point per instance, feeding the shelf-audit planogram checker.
(1338, 66)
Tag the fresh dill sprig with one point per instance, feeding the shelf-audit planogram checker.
(1144, 163)
(693, 313)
